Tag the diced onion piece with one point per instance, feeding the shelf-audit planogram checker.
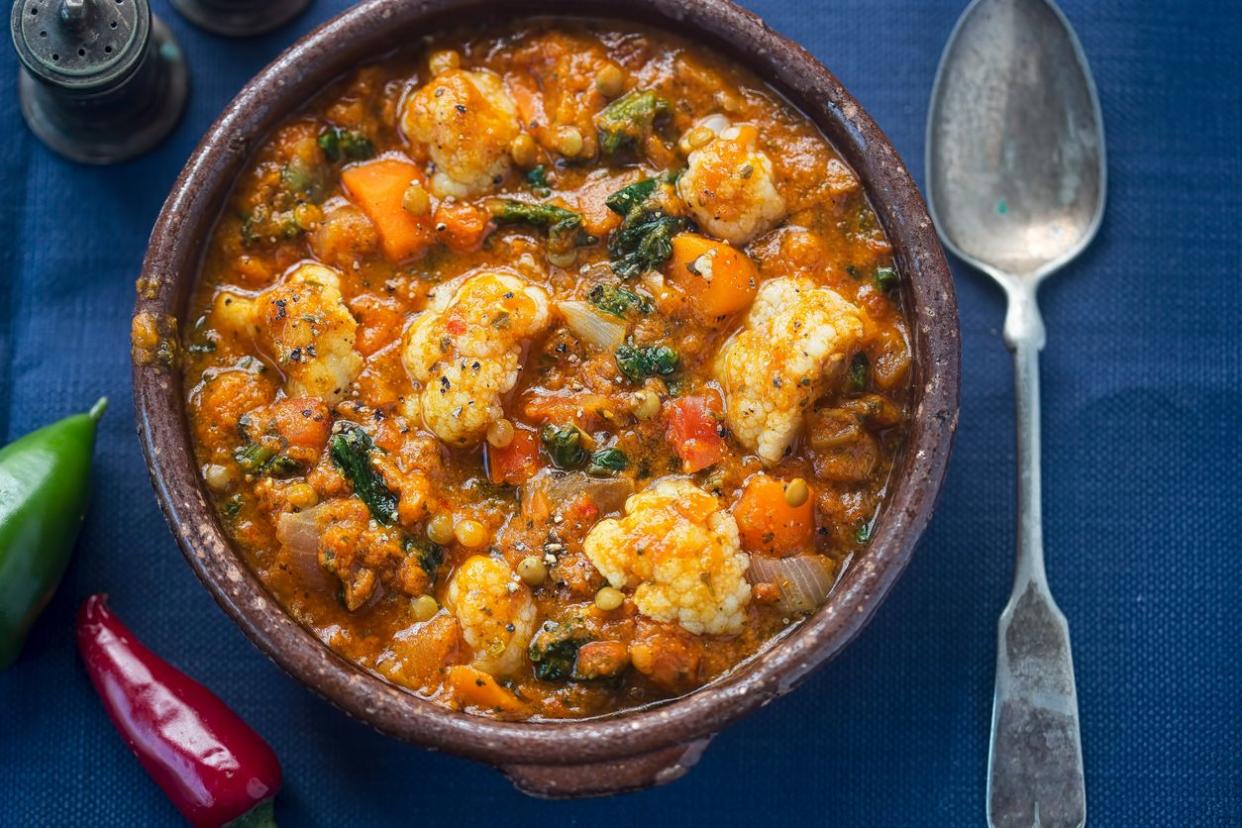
(591, 326)
(804, 580)
(298, 533)
(716, 122)
(557, 489)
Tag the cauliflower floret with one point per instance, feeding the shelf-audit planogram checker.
(778, 363)
(680, 552)
(233, 316)
(496, 612)
(303, 325)
(728, 186)
(464, 351)
(467, 120)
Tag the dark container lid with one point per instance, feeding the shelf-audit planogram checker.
(81, 45)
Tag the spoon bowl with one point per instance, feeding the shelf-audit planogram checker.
(1015, 141)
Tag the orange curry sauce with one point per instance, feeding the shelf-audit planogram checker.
(516, 437)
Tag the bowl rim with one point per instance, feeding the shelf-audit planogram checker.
(172, 266)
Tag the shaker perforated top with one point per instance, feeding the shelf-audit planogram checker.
(83, 44)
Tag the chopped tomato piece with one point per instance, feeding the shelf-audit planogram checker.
(666, 654)
(583, 410)
(693, 425)
(517, 462)
(455, 325)
(601, 659)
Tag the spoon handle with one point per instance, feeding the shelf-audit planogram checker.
(1035, 772)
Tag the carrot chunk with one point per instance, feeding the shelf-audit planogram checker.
(475, 688)
(718, 278)
(378, 187)
(767, 523)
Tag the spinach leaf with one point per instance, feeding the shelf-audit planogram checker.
(564, 445)
(617, 300)
(255, 458)
(639, 362)
(232, 507)
(553, 651)
(608, 461)
(338, 144)
(264, 224)
(623, 201)
(351, 449)
(859, 372)
(885, 278)
(537, 178)
(304, 180)
(629, 119)
(643, 242)
(564, 226)
(430, 555)
(547, 216)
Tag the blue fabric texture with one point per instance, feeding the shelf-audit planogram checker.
(1142, 394)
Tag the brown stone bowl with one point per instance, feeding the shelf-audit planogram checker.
(631, 749)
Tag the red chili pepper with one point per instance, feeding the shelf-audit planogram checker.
(213, 767)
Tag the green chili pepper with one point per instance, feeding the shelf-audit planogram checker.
(44, 481)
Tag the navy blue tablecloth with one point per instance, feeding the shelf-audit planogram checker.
(1142, 394)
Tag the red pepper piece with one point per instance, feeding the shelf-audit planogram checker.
(517, 462)
(213, 767)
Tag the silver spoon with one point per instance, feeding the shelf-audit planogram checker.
(1016, 180)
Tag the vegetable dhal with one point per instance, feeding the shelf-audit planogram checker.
(549, 371)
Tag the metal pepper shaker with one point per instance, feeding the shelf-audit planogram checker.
(240, 18)
(101, 80)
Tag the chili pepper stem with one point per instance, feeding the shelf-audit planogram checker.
(260, 816)
(98, 409)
